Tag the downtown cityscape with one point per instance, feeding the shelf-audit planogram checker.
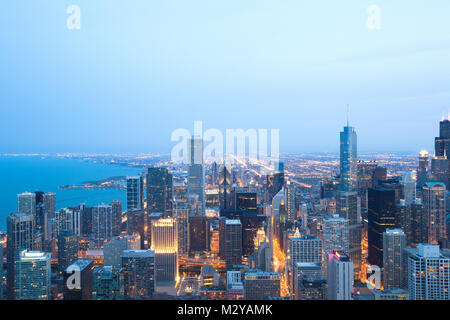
(211, 158)
(315, 227)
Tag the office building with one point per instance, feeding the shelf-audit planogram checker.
(113, 249)
(32, 275)
(339, 276)
(138, 269)
(135, 193)
(165, 247)
(260, 285)
(434, 203)
(196, 176)
(107, 283)
(77, 280)
(230, 241)
(394, 241)
(159, 191)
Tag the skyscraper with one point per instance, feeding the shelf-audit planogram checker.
(348, 159)
(422, 170)
(434, 202)
(102, 225)
(199, 231)
(440, 170)
(20, 231)
(335, 234)
(196, 176)
(339, 276)
(32, 275)
(224, 187)
(409, 188)
(116, 212)
(230, 241)
(394, 241)
(67, 249)
(138, 268)
(428, 273)
(165, 247)
(381, 216)
(26, 203)
(159, 190)
(135, 193)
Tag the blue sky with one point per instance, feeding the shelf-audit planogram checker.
(139, 69)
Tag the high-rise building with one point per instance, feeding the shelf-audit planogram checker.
(308, 282)
(102, 225)
(422, 170)
(113, 249)
(182, 220)
(116, 212)
(428, 272)
(69, 219)
(77, 280)
(135, 193)
(419, 223)
(199, 231)
(440, 170)
(26, 203)
(335, 234)
(165, 247)
(381, 216)
(138, 268)
(394, 241)
(348, 159)
(224, 187)
(32, 275)
(261, 285)
(67, 249)
(20, 233)
(230, 241)
(306, 249)
(196, 176)
(434, 202)
(409, 188)
(159, 190)
(107, 283)
(365, 172)
(339, 276)
(442, 148)
(138, 223)
(275, 181)
(291, 206)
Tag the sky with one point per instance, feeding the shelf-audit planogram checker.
(137, 70)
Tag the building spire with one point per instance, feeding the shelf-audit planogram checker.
(348, 115)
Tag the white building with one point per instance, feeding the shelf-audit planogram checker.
(339, 276)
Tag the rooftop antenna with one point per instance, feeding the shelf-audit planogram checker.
(442, 118)
(448, 115)
(348, 112)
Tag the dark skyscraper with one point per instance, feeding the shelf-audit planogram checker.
(198, 234)
(442, 149)
(230, 241)
(275, 181)
(116, 207)
(224, 187)
(159, 190)
(381, 216)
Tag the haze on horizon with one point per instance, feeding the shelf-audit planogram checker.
(138, 70)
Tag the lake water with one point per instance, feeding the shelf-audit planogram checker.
(19, 174)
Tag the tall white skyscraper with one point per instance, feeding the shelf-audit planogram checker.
(409, 187)
(394, 241)
(428, 272)
(32, 275)
(339, 276)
